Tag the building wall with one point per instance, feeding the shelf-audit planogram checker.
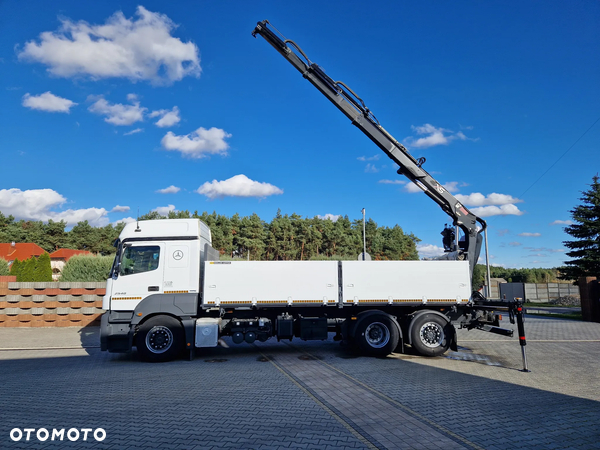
(57, 266)
(50, 304)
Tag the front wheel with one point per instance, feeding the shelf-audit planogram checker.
(377, 335)
(431, 334)
(160, 339)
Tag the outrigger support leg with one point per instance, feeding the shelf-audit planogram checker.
(516, 311)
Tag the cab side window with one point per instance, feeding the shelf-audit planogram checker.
(140, 259)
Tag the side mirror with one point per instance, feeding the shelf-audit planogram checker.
(116, 272)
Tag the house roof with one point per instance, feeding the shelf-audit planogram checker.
(20, 251)
(67, 253)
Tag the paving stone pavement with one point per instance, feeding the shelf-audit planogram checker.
(308, 394)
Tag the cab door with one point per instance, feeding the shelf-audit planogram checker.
(181, 267)
(140, 274)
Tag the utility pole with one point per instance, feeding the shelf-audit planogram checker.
(364, 255)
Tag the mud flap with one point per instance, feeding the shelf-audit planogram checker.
(189, 326)
(453, 342)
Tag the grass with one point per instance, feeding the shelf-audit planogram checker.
(546, 305)
(573, 316)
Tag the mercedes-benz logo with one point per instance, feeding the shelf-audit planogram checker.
(177, 255)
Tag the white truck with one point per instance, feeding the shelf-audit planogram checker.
(168, 291)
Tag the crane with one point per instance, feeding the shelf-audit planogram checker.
(353, 107)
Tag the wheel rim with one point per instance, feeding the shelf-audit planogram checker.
(431, 334)
(377, 335)
(159, 339)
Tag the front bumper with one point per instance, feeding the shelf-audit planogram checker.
(115, 337)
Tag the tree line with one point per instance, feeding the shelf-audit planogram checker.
(285, 237)
(295, 238)
(52, 235)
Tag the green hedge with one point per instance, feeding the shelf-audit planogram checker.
(32, 269)
(87, 268)
(4, 268)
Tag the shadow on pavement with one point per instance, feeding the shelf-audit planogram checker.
(235, 398)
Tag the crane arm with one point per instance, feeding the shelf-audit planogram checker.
(355, 109)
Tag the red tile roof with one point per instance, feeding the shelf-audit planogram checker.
(67, 253)
(21, 251)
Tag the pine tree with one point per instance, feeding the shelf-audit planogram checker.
(27, 270)
(15, 269)
(585, 249)
(43, 268)
(4, 268)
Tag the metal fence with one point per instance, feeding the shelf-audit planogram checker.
(538, 292)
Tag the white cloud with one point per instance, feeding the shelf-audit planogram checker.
(332, 217)
(199, 143)
(168, 117)
(392, 182)
(514, 244)
(478, 199)
(94, 216)
(493, 204)
(164, 210)
(370, 168)
(429, 250)
(37, 204)
(545, 249)
(137, 130)
(530, 234)
(169, 190)
(48, 102)
(504, 210)
(453, 186)
(369, 158)
(137, 49)
(562, 222)
(119, 114)
(120, 208)
(238, 186)
(124, 220)
(412, 188)
(409, 186)
(434, 136)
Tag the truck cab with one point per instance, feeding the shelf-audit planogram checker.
(157, 269)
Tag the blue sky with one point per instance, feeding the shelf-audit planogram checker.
(108, 107)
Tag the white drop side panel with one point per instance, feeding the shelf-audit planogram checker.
(402, 282)
(270, 283)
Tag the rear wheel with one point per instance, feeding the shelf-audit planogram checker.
(431, 334)
(160, 339)
(377, 335)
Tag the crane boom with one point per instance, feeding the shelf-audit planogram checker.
(355, 109)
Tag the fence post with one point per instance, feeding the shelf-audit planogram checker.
(590, 301)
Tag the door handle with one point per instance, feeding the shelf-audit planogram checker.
(153, 289)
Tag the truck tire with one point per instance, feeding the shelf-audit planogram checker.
(377, 335)
(431, 334)
(160, 339)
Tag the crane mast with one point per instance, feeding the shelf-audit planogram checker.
(355, 109)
